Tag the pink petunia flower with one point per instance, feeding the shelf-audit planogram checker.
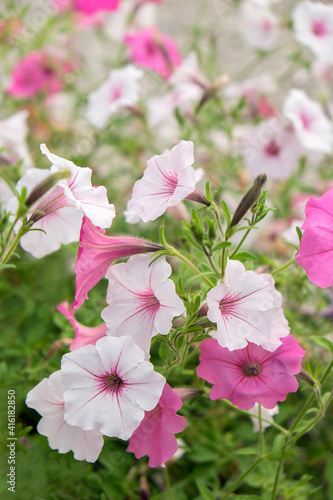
(37, 72)
(313, 27)
(153, 50)
(155, 436)
(271, 149)
(316, 250)
(142, 300)
(258, 26)
(97, 252)
(109, 386)
(246, 308)
(251, 375)
(313, 129)
(167, 180)
(84, 335)
(47, 399)
(119, 91)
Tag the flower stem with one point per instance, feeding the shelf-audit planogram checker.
(243, 476)
(189, 264)
(261, 433)
(240, 244)
(218, 220)
(277, 477)
(11, 248)
(285, 266)
(167, 483)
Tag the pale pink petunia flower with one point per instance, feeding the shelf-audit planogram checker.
(77, 188)
(97, 252)
(316, 250)
(271, 149)
(13, 134)
(142, 300)
(36, 72)
(266, 414)
(246, 308)
(109, 386)
(313, 129)
(167, 180)
(251, 375)
(155, 435)
(153, 50)
(258, 26)
(84, 335)
(47, 399)
(119, 91)
(313, 27)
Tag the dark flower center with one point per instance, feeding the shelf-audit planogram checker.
(251, 369)
(112, 382)
(272, 149)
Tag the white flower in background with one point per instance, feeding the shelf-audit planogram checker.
(313, 129)
(258, 26)
(119, 91)
(109, 386)
(13, 134)
(246, 308)
(265, 413)
(271, 149)
(313, 27)
(47, 399)
(252, 89)
(142, 300)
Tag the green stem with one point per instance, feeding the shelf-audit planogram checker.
(11, 248)
(243, 476)
(285, 266)
(240, 244)
(276, 480)
(218, 220)
(261, 433)
(210, 260)
(192, 266)
(167, 483)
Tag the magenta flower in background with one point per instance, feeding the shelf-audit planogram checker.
(316, 250)
(87, 6)
(167, 180)
(153, 50)
(97, 252)
(251, 375)
(109, 386)
(47, 399)
(313, 27)
(155, 435)
(246, 308)
(313, 129)
(272, 149)
(37, 72)
(142, 300)
(84, 335)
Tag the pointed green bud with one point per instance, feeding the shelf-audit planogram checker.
(249, 199)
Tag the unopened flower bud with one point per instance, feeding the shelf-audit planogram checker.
(249, 199)
(44, 186)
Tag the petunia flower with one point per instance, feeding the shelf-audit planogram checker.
(313, 27)
(313, 129)
(316, 250)
(246, 308)
(152, 49)
(37, 72)
(167, 180)
(271, 149)
(142, 300)
(258, 26)
(47, 399)
(84, 335)
(13, 134)
(109, 386)
(155, 435)
(97, 252)
(251, 375)
(87, 7)
(119, 91)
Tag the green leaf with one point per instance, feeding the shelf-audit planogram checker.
(277, 445)
(189, 236)
(245, 256)
(247, 451)
(222, 244)
(299, 233)
(226, 212)
(205, 493)
(323, 342)
(208, 195)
